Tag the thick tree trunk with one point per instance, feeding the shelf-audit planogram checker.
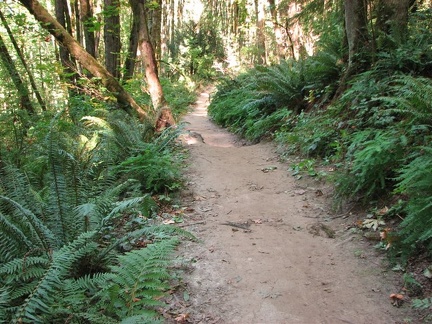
(9, 64)
(165, 118)
(392, 19)
(356, 33)
(358, 41)
(112, 36)
(23, 62)
(80, 54)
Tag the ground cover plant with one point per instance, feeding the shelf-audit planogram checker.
(79, 237)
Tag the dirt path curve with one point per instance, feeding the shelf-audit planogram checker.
(265, 255)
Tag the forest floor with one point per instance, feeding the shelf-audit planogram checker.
(271, 250)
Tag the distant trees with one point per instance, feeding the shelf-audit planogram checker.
(86, 60)
(172, 39)
(21, 87)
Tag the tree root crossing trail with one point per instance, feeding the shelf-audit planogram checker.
(270, 250)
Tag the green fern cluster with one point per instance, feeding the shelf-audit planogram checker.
(265, 99)
(415, 180)
(67, 213)
(43, 289)
(372, 159)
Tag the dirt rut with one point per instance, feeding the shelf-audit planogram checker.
(270, 250)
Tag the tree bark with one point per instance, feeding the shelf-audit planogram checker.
(129, 64)
(9, 64)
(155, 30)
(80, 54)
(63, 17)
(23, 62)
(356, 33)
(260, 36)
(392, 19)
(112, 36)
(165, 118)
(86, 15)
(357, 37)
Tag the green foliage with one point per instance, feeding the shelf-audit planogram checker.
(196, 47)
(415, 180)
(178, 94)
(155, 169)
(371, 160)
(70, 206)
(266, 99)
(42, 289)
(138, 282)
(313, 135)
(425, 303)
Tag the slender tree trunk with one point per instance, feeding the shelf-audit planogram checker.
(9, 64)
(235, 17)
(87, 22)
(279, 50)
(80, 54)
(165, 118)
(155, 31)
(23, 62)
(112, 36)
(129, 65)
(260, 36)
(63, 17)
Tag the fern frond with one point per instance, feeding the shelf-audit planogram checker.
(13, 242)
(140, 278)
(415, 181)
(43, 296)
(122, 206)
(155, 232)
(41, 236)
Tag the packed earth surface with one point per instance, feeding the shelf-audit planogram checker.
(271, 249)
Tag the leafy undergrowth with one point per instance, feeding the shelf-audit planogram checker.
(87, 221)
(372, 141)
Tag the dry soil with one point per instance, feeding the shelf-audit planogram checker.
(271, 250)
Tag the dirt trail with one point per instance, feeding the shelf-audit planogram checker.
(265, 255)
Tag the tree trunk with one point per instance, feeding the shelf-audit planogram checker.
(357, 37)
(155, 31)
(79, 53)
(23, 62)
(129, 65)
(63, 17)
(356, 33)
(392, 19)
(87, 21)
(9, 64)
(165, 118)
(260, 36)
(278, 50)
(112, 36)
